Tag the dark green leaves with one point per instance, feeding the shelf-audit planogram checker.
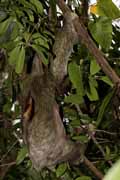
(92, 91)
(75, 76)
(106, 80)
(94, 67)
(74, 98)
(20, 61)
(21, 155)
(37, 5)
(4, 25)
(108, 8)
(114, 172)
(83, 178)
(17, 58)
(40, 40)
(103, 106)
(101, 31)
(38, 49)
(61, 169)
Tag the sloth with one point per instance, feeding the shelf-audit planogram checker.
(43, 130)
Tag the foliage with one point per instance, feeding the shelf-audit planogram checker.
(114, 172)
(26, 28)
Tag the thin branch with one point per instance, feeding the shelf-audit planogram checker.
(8, 164)
(101, 149)
(91, 166)
(106, 132)
(5, 155)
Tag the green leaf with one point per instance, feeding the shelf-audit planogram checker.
(10, 45)
(13, 55)
(85, 119)
(103, 106)
(8, 34)
(114, 172)
(94, 67)
(4, 25)
(108, 8)
(40, 40)
(81, 138)
(3, 15)
(92, 93)
(61, 169)
(48, 34)
(38, 49)
(75, 76)
(74, 99)
(101, 31)
(38, 6)
(107, 80)
(107, 154)
(14, 31)
(83, 178)
(7, 108)
(21, 155)
(20, 60)
(30, 14)
(27, 5)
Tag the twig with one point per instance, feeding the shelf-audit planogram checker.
(106, 132)
(8, 164)
(91, 166)
(101, 149)
(98, 145)
(5, 155)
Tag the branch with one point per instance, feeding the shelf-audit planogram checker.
(91, 166)
(85, 38)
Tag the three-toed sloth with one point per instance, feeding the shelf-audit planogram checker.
(43, 130)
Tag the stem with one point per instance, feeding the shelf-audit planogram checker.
(93, 168)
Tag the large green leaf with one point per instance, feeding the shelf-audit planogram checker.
(40, 40)
(61, 169)
(108, 8)
(21, 155)
(114, 172)
(10, 34)
(75, 76)
(38, 5)
(3, 15)
(74, 99)
(106, 80)
(94, 67)
(92, 92)
(101, 31)
(103, 106)
(38, 49)
(30, 14)
(4, 25)
(13, 55)
(20, 60)
(14, 30)
(28, 5)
